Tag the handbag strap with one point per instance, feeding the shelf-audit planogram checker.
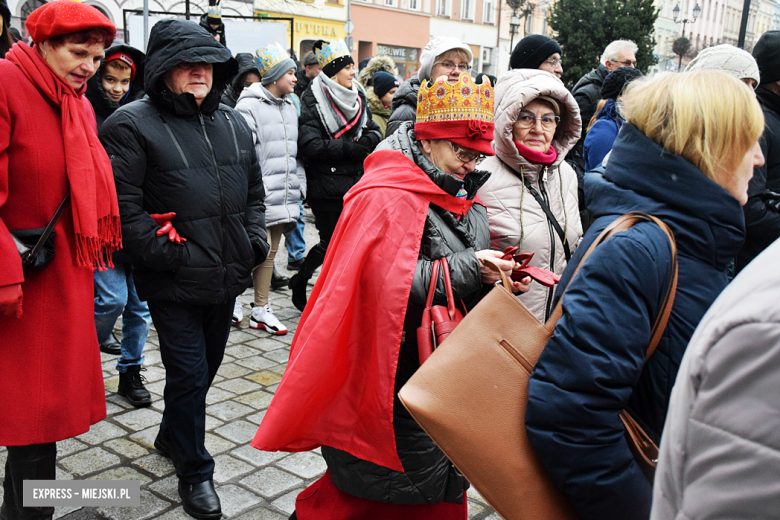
(622, 224)
(432, 286)
(49, 227)
(550, 217)
(445, 267)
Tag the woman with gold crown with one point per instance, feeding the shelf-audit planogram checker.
(336, 134)
(356, 344)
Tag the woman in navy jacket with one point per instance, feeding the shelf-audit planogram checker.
(693, 175)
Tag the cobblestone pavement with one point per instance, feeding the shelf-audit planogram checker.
(252, 484)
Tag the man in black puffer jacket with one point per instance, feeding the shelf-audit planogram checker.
(179, 151)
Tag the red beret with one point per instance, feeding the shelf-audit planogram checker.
(64, 17)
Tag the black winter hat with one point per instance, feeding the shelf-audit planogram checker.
(532, 51)
(383, 83)
(617, 80)
(332, 68)
(767, 55)
(5, 12)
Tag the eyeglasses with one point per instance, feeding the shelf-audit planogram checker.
(625, 63)
(463, 67)
(528, 120)
(553, 61)
(464, 155)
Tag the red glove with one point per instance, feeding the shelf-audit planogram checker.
(543, 276)
(164, 221)
(11, 300)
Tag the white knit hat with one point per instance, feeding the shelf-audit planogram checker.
(437, 47)
(729, 59)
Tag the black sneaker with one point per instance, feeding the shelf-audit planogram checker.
(296, 265)
(131, 386)
(111, 346)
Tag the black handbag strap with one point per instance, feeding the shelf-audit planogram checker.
(49, 228)
(550, 217)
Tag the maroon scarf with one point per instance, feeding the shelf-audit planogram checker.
(536, 157)
(93, 194)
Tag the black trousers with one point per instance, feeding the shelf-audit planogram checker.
(192, 344)
(33, 462)
(326, 216)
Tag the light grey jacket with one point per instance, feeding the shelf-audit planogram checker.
(720, 452)
(274, 125)
(516, 219)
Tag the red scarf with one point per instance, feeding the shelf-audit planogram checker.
(537, 157)
(93, 194)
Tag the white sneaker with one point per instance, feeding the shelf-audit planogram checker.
(238, 312)
(263, 318)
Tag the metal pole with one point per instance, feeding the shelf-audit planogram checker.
(146, 23)
(743, 24)
(187, 9)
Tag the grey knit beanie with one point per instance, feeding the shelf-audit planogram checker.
(277, 71)
(729, 59)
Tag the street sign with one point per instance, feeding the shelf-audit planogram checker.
(349, 27)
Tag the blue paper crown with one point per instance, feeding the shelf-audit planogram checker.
(267, 57)
(215, 11)
(332, 51)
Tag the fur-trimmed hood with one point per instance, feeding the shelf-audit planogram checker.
(375, 104)
(377, 64)
(514, 90)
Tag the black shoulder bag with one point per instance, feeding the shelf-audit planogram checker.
(36, 246)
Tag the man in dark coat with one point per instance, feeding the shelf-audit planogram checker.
(181, 159)
(762, 211)
(311, 68)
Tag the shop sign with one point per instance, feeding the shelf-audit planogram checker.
(406, 54)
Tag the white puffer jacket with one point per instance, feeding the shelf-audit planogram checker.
(516, 219)
(274, 124)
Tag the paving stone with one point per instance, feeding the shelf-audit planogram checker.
(280, 356)
(100, 432)
(226, 468)
(286, 339)
(240, 336)
(122, 473)
(153, 374)
(111, 384)
(305, 464)
(240, 432)
(175, 514)
(287, 312)
(67, 447)
(155, 464)
(60, 512)
(89, 461)
(215, 444)
(61, 474)
(212, 423)
(256, 418)
(475, 509)
(265, 377)
(126, 448)
(266, 344)
(239, 386)
(262, 513)
(228, 410)
(139, 419)
(158, 403)
(167, 487)
(257, 400)
(146, 437)
(272, 388)
(236, 499)
(231, 370)
(217, 395)
(112, 409)
(279, 369)
(256, 362)
(287, 501)
(270, 482)
(257, 457)
(241, 351)
(150, 506)
(118, 400)
(152, 357)
(156, 388)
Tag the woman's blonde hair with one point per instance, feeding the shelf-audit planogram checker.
(707, 117)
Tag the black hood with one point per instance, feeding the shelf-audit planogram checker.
(246, 64)
(175, 41)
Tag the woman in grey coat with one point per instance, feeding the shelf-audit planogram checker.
(271, 115)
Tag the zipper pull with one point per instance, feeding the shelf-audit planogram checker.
(226, 117)
(544, 175)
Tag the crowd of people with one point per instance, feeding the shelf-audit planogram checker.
(170, 177)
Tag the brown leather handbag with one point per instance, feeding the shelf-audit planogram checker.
(438, 321)
(470, 396)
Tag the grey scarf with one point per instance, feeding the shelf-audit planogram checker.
(339, 106)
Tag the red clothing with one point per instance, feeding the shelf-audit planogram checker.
(338, 387)
(324, 501)
(51, 381)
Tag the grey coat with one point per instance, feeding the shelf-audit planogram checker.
(720, 452)
(274, 125)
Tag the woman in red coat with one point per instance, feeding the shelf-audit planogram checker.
(51, 382)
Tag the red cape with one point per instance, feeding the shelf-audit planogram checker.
(338, 388)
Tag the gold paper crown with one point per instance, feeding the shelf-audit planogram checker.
(331, 51)
(267, 57)
(465, 100)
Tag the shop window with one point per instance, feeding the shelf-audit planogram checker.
(405, 58)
